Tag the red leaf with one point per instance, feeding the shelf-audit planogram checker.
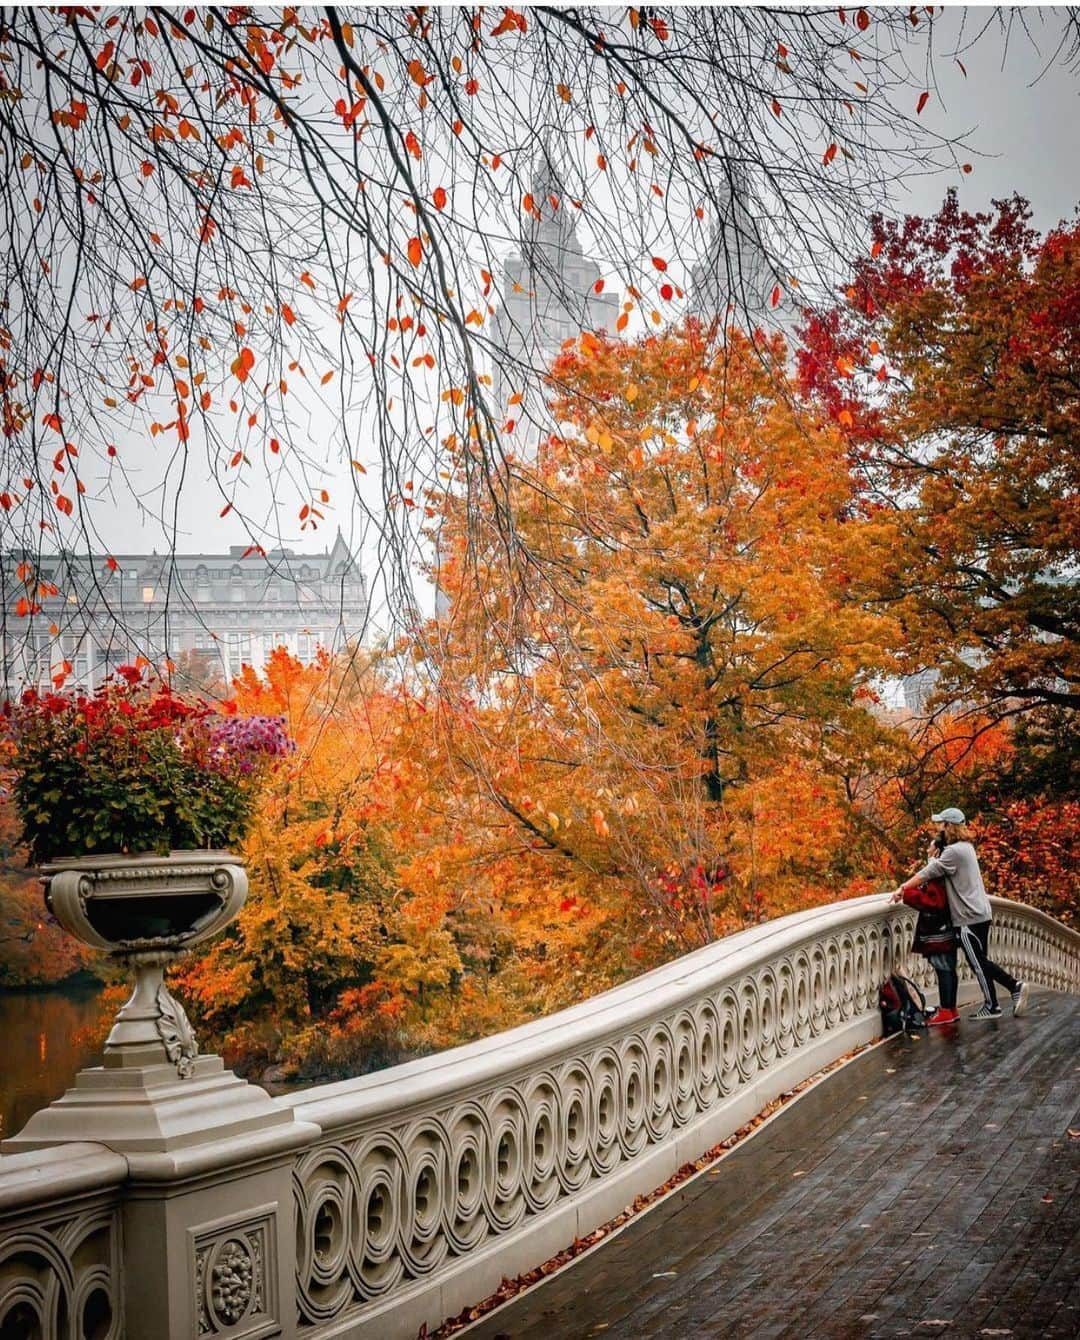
(416, 251)
(598, 287)
(862, 18)
(924, 98)
(774, 298)
(287, 313)
(439, 197)
(111, 563)
(829, 154)
(667, 292)
(242, 364)
(659, 263)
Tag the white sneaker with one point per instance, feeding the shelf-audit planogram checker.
(1020, 998)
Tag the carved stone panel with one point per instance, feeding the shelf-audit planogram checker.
(234, 1276)
(60, 1278)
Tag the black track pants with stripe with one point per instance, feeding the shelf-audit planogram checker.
(973, 941)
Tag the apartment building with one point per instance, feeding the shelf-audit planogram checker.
(77, 616)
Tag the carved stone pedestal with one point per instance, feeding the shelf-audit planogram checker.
(206, 1209)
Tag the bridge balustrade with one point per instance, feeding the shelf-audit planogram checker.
(371, 1207)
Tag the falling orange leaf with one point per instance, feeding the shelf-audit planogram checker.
(242, 364)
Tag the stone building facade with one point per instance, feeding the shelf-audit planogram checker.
(80, 617)
(548, 295)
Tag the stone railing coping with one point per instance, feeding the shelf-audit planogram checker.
(387, 1093)
(42, 1177)
(619, 1009)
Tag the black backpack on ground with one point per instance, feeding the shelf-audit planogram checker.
(902, 1005)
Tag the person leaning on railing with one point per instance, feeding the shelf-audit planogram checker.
(935, 936)
(958, 866)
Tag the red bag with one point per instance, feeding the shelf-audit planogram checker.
(934, 931)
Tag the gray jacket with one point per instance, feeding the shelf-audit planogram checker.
(968, 902)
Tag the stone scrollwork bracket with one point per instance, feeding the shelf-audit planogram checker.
(176, 1033)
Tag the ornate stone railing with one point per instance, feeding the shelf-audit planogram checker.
(60, 1267)
(371, 1207)
(434, 1180)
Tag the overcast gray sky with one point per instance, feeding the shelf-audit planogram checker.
(1023, 118)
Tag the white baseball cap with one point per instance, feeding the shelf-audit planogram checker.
(950, 816)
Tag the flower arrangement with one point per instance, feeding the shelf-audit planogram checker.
(134, 768)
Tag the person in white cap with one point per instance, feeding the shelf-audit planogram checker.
(970, 908)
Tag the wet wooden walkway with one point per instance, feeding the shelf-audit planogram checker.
(931, 1187)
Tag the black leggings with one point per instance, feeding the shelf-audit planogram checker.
(944, 966)
(973, 941)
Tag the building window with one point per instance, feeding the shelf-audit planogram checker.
(239, 649)
(148, 595)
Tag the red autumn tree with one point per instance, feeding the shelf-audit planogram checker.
(953, 366)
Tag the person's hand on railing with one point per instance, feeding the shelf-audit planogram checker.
(897, 896)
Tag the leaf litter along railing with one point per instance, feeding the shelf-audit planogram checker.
(436, 1179)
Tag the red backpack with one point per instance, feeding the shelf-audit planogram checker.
(902, 1005)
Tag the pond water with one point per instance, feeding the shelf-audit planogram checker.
(45, 1037)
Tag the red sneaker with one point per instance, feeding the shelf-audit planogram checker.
(943, 1016)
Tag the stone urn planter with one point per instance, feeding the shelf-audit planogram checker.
(146, 911)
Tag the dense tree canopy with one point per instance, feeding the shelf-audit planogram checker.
(678, 679)
(953, 365)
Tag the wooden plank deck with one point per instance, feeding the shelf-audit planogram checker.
(931, 1187)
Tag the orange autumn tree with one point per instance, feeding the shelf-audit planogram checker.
(321, 920)
(658, 707)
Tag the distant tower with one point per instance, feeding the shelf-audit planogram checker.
(548, 297)
(735, 271)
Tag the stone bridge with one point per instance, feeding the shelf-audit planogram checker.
(144, 1204)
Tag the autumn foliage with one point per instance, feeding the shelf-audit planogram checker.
(953, 366)
(647, 718)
